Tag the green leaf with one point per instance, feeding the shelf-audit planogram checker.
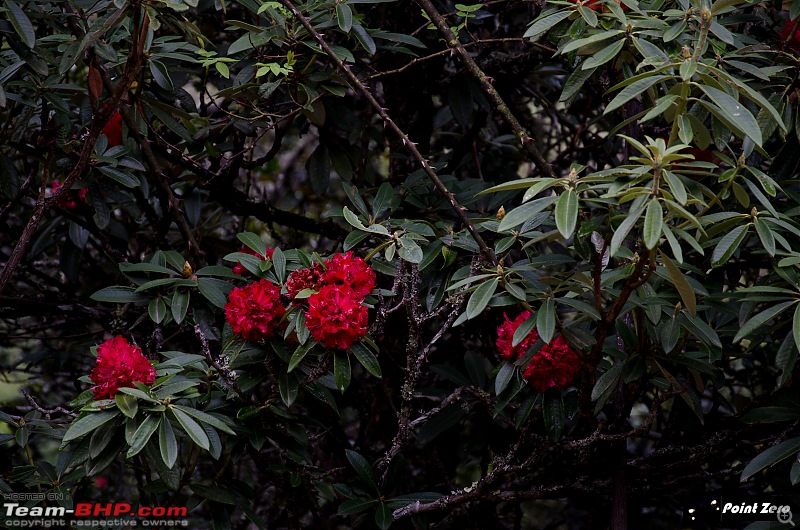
(383, 516)
(504, 376)
(117, 294)
(354, 506)
(279, 261)
(180, 304)
(123, 177)
(288, 387)
(566, 213)
(157, 310)
(213, 293)
(253, 242)
(299, 354)
(680, 282)
(770, 457)
(88, 423)
(129, 405)
(633, 90)
(653, 223)
(520, 214)
(480, 298)
(760, 319)
(21, 23)
(167, 444)
(765, 235)
(409, 250)
(588, 15)
(735, 112)
(206, 418)
(605, 384)
(365, 39)
(523, 330)
(193, 429)
(362, 467)
(546, 320)
(624, 228)
(543, 24)
(597, 37)
(796, 328)
(367, 359)
(603, 56)
(728, 245)
(344, 16)
(553, 412)
(341, 370)
(143, 434)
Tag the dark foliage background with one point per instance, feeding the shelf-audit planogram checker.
(656, 143)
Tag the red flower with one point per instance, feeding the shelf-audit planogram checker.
(119, 364)
(255, 311)
(336, 317)
(300, 279)
(239, 268)
(70, 199)
(345, 269)
(505, 334)
(113, 129)
(597, 5)
(791, 34)
(555, 365)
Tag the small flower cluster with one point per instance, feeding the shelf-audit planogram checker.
(790, 34)
(119, 364)
(554, 365)
(70, 199)
(113, 130)
(335, 314)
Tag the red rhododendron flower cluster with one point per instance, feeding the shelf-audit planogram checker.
(336, 316)
(554, 365)
(300, 279)
(239, 268)
(71, 198)
(113, 130)
(119, 364)
(255, 311)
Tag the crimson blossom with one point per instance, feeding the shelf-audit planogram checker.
(336, 318)
(119, 364)
(113, 130)
(255, 311)
(554, 365)
(349, 270)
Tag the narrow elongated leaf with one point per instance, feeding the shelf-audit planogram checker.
(21, 23)
(192, 428)
(88, 423)
(523, 213)
(653, 223)
(504, 376)
(765, 235)
(567, 213)
(728, 245)
(736, 112)
(341, 370)
(143, 434)
(362, 467)
(543, 24)
(685, 289)
(523, 330)
(253, 242)
(633, 90)
(206, 418)
(546, 320)
(367, 359)
(344, 16)
(796, 327)
(128, 404)
(180, 305)
(603, 56)
(771, 456)
(480, 298)
(167, 443)
(760, 319)
(622, 231)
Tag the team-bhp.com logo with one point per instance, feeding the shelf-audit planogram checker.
(88, 514)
